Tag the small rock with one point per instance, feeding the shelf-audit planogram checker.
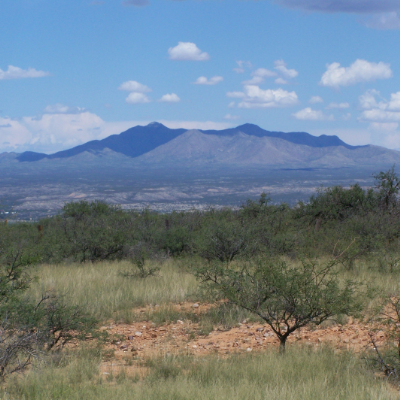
(195, 305)
(130, 337)
(123, 347)
(179, 322)
(259, 329)
(249, 349)
(106, 373)
(138, 334)
(194, 346)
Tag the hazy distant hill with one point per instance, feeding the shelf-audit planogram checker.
(140, 140)
(195, 147)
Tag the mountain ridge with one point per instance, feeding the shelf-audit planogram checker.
(140, 140)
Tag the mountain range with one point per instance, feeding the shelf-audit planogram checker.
(245, 145)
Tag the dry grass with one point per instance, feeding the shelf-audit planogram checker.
(300, 374)
(103, 292)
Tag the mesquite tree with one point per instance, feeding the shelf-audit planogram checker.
(285, 297)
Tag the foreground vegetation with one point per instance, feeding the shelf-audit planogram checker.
(94, 264)
(303, 374)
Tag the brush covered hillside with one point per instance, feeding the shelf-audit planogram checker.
(245, 145)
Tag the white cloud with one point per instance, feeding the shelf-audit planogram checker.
(281, 81)
(232, 104)
(19, 73)
(367, 100)
(232, 117)
(170, 98)
(359, 71)
(254, 97)
(280, 66)
(315, 100)
(264, 73)
(62, 109)
(136, 98)
(186, 51)
(340, 106)
(378, 115)
(134, 86)
(259, 75)
(308, 114)
(202, 80)
(382, 111)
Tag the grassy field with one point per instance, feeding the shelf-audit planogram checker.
(300, 374)
(101, 289)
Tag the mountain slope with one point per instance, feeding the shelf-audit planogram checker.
(197, 148)
(140, 140)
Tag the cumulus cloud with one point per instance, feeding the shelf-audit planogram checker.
(316, 99)
(133, 86)
(19, 73)
(280, 66)
(259, 75)
(137, 90)
(186, 51)
(343, 6)
(255, 97)
(170, 98)
(379, 111)
(340, 106)
(359, 71)
(136, 3)
(137, 98)
(308, 114)
(202, 80)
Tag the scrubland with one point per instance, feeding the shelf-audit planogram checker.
(99, 302)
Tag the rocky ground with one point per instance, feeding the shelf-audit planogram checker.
(133, 343)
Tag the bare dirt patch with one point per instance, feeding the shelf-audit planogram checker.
(136, 342)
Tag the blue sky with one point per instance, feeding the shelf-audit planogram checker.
(78, 70)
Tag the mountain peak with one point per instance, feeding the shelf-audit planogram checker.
(155, 125)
